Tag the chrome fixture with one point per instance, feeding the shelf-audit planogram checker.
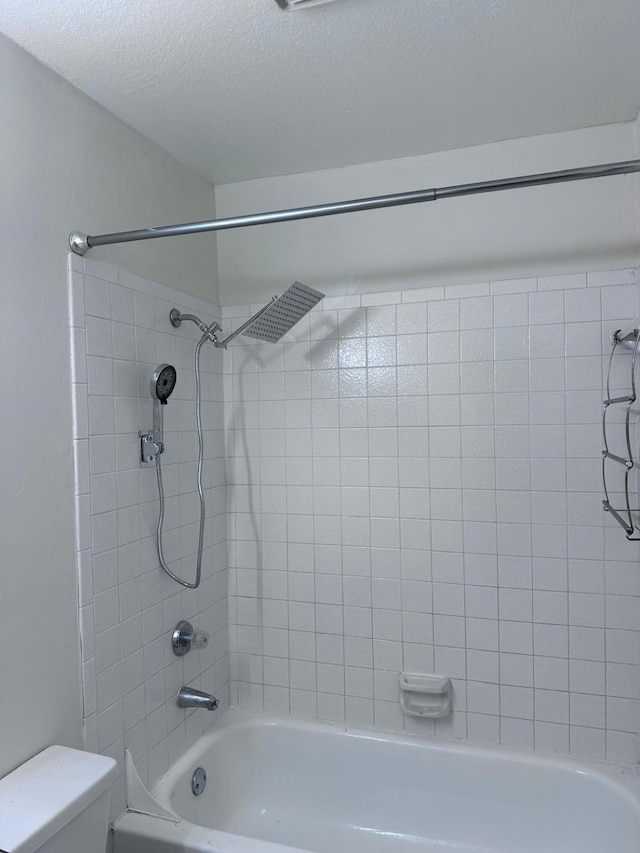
(184, 638)
(81, 243)
(626, 516)
(198, 781)
(163, 382)
(152, 445)
(269, 323)
(300, 4)
(149, 448)
(281, 314)
(176, 319)
(189, 697)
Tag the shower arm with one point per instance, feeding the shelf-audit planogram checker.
(240, 329)
(80, 243)
(177, 317)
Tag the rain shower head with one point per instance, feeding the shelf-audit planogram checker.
(268, 324)
(282, 313)
(163, 382)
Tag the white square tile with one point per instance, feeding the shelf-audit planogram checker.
(483, 698)
(552, 706)
(482, 666)
(551, 673)
(511, 342)
(621, 747)
(516, 733)
(97, 300)
(411, 318)
(476, 313)
(582, 305)
(443, 316)
(443, 347)
(381, 320)
(511, 310)
(551, 640)
(476, 345)
(546, 307)
(547, 340)
(587, 743)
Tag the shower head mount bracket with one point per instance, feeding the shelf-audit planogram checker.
(149, 448)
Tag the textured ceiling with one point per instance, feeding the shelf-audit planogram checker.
(239, 89)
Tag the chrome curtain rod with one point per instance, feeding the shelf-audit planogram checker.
(81, 243)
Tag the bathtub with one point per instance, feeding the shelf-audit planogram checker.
(279, 786)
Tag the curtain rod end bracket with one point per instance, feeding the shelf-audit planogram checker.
(79, 243)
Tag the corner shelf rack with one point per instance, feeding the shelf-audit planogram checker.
(629, 337)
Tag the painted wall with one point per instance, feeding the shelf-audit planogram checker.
(66, 164)
(587, 225)
(415, 483)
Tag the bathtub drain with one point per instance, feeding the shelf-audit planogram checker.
(199, 781)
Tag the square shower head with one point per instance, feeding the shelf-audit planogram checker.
(283, 313)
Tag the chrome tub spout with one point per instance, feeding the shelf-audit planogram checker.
(189, 697)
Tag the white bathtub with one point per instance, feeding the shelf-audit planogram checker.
(277, 786)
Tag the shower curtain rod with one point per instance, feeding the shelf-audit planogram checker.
(81, 243)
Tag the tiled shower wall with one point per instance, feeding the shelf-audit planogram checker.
(414, 484)
(120, 332)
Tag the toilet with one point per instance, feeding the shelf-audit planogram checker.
(57, 802)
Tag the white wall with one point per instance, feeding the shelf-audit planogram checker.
(587, 225)
(66, 164)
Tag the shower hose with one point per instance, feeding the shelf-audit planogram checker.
(196, 583)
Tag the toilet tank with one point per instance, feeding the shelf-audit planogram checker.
(57, 802)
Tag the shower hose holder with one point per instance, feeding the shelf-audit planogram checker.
(149, 448)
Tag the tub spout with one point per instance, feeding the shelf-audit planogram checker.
(188, 697)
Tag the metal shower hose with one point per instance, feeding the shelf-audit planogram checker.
(196, 583)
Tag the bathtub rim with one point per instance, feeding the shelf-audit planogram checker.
(623, 778)
(140, 832)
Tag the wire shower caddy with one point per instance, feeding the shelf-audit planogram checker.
(628, 337)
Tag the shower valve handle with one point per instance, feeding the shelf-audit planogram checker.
(185, 637)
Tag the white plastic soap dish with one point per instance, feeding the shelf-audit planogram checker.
(425, 695)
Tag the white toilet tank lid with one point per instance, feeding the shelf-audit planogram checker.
(47, 792)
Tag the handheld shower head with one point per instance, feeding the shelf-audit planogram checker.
(163, 382)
